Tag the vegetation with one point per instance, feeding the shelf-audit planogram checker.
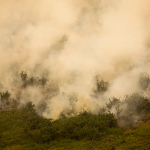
(23, 128)
(101, 85)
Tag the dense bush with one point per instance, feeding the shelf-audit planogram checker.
(83, 126)
(24, 129)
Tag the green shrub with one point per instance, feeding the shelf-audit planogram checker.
(24, 129)
(83, 126)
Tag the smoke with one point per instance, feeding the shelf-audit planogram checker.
(69, 43)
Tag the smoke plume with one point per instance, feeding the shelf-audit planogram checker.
(70, 43)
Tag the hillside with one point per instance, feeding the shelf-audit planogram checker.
(22, 129)
(75, 74)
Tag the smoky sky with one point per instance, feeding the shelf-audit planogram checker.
(72, 41)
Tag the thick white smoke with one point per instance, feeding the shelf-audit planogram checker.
(72, 41)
